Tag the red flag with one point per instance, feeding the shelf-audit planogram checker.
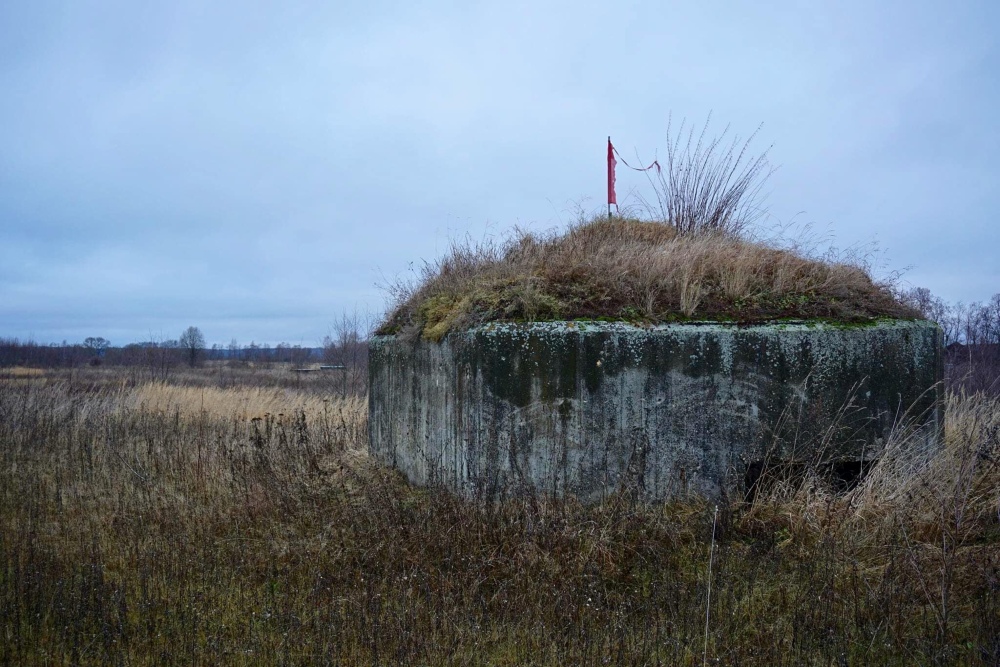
(611, 175)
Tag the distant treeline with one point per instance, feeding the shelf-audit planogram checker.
(14, 352)
(971, 338)
(347, 346)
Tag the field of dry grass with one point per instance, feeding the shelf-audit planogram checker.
(244, 402)
(213, 374)
(161, 524)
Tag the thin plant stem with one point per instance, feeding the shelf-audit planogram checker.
(708, 600)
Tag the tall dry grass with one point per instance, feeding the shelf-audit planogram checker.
(633, 270)
(914, 484)
(158, 525)
(244, 402)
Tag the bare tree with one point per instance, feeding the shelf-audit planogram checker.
(299, 355)
(98, 345)
(233, 353)
(158, 357)
(934, 308)
(971, 336)
(192, 342)
(347, 346)
(283, 352)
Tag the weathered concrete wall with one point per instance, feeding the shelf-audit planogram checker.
(589, 408)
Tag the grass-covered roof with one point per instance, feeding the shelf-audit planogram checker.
(637, 271)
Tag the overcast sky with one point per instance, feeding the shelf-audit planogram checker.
(255, 169)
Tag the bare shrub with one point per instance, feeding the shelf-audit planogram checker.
(347, 348)
(710, 185)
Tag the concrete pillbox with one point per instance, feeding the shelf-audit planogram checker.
(590, 408)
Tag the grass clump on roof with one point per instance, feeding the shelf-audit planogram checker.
(637, 271)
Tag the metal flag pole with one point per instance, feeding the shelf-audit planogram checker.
(611, 177)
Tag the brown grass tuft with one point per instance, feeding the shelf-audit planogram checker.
(633, 270)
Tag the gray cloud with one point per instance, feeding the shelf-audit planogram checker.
(253, 169)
